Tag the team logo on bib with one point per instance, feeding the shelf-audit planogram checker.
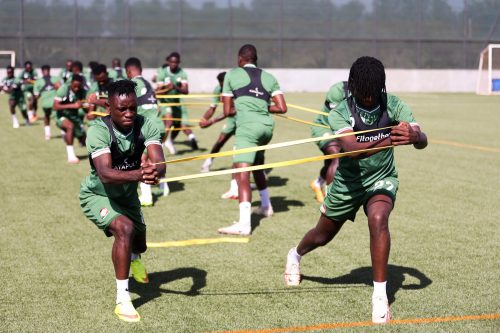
(104, 212)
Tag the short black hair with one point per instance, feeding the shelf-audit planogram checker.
(367, 78)
(77, 64)
(45, 67)
(121, 87)
(28, 63)
(93, 64)
(174, 54)
(10, 67)
(77, 77)
(133, 62)
(249, 53)
(98, 69)
(221, 76)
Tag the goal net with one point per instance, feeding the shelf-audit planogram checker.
(7, 58)
(488, 80)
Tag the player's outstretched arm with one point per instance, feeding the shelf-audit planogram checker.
(155, 155)
(279, 104)
(59, 106)
(405, 134)
(229, 110)
(349, 143)
(108, 175)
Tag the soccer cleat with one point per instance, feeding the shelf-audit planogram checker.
(139, 271)
(170, 146)
(33, 119)
(318, 191)
(237, 228)
(230, 195)
(146, 202)
(381, 312)
(126, 312)
(15, 125)
(194, 144)
(165, 189)
(73, 160)
(47, 137)
(264, 211)
(206, 166)
(292, 273)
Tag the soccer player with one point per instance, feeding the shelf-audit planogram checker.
(67, 103)
(368, 179)
(77, 68)
(28, 77)
(11, 85)
(65, 73)
(206, 121)
(108, 196)
(98, 92)
(117, 72)
(174, 81)
(335, 95)
(148, 108)
(45, 89)
(252, 89)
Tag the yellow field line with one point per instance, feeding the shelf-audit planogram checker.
(465, 145)
(201, 241)
(369, 323)
(270, 165)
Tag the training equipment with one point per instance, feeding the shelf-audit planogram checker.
(139, 271)
(381, 312)
(264, 211)
(488, 79)
(237, 228)
(318, 191)
(126, 312)
(292, 273)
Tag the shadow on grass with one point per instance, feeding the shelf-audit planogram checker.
(157, 281)
(363, 275)
(280, 204)
(157, 192)
(83, 157)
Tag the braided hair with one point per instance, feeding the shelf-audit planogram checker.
(367, 78)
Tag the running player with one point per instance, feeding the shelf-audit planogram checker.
(117, 72)
(67, 103)
(45, 89)
(11, 85)
(65, 73)
(148, 108)
(108, 196)
(97, 96)
(252, 89)
(172, 80)
(335, 95)
(368, 179)
(77, 68)
(28, 77)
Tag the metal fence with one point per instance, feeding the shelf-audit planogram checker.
(287, 33)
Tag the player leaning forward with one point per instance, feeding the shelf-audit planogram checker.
(252, 89)
(368, 180)
(108, 196)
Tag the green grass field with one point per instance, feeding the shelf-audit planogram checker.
(57, 274)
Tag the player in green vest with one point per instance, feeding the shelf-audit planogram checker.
(117, 72)
(367, 179)
(97, 96)
(108, 196)
(65, 73)
(11, 85)
(67, 103)
(251, 89)
(27, 77)
(45, 90)
(146, 107)
(172, 80)
(337, 93)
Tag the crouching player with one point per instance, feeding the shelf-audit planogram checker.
(368, 180)
(108, 196)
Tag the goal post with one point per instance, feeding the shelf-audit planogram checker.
(488, 79)
(11, 55)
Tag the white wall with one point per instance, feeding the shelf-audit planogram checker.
(319, 80)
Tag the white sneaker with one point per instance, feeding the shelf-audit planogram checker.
(381, 312)
(230, 195)
(264, 211)
(15, 125)
(237, 228)
(73, 160)
(146, 201)
(292, 273)
(47, 137)
(165, 188)
(170, 146)
(205, 167)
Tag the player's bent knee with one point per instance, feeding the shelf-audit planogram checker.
(122, 228)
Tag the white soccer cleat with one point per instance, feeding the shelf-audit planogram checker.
(146, 201)
(381, 312)
(170, 146)
(292, 273)
(47, 137)
(237, 228)
(264, 211)
(73, 160)
(230, 195)
(205, 167)
(15, 125)
(165, 188)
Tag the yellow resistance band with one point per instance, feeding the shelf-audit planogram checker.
(180, 129)
(179, 119)
(270, 165)
(179, 104)
(301, 121)
(99, 114)
(267, 147)
(187, 96)
(298, 107)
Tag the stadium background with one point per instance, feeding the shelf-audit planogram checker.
(423, 34)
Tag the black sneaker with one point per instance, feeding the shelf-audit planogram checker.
(194, 144)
